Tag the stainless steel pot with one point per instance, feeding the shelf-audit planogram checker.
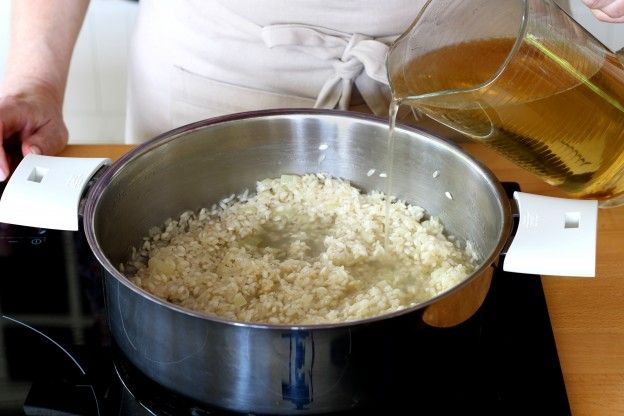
(281, 369)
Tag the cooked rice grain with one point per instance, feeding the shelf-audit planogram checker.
(303, 250)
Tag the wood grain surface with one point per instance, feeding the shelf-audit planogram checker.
(587, 314)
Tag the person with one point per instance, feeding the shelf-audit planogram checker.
(192, 59)
(611, 11)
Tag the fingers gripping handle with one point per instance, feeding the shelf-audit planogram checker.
(45, 191)
(555, 236)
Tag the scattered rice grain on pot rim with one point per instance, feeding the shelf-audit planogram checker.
(302, 250)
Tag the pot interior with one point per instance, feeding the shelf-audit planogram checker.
(200, 164)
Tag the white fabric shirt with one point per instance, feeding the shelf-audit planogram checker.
(194, 59)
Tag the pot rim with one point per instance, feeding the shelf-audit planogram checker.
(104, 180)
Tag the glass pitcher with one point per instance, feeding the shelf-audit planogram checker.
(525, 79)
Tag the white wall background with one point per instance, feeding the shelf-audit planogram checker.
(96, 90)
(95, 98)
(611, 34)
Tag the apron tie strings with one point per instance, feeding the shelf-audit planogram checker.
(355, 58)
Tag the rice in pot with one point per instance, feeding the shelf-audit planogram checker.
(302, 250)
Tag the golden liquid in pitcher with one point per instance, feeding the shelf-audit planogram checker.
(565, 127)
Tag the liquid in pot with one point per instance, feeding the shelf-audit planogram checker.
(301, 250)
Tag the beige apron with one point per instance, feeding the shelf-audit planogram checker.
(195, 59)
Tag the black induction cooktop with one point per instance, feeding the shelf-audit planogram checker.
(57, 358)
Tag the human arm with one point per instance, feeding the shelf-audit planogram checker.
(43, 35)
(607, 10)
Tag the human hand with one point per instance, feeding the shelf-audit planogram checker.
(607, 10)
(31, 113)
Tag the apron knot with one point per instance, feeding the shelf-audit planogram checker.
(355, 58)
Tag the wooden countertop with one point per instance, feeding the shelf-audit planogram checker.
(587, 315)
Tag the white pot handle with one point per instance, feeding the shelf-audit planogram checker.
(555, 236)
(45, 191)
